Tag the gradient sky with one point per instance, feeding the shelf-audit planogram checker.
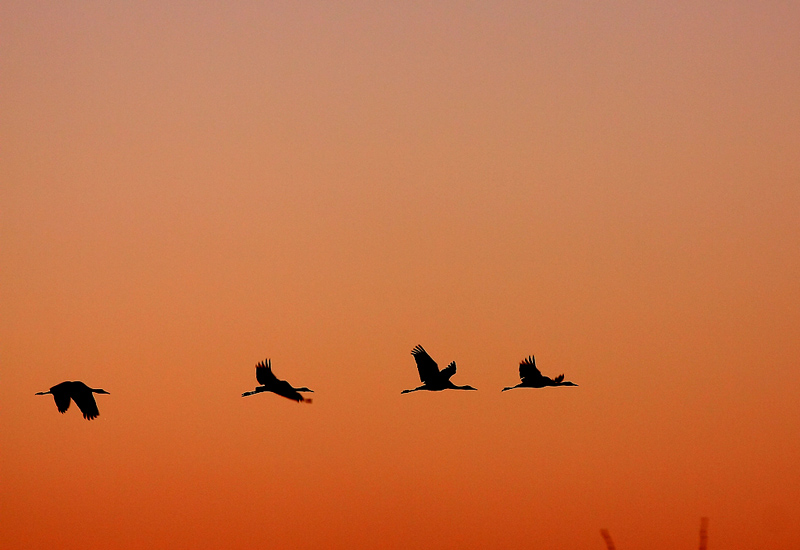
(189, 188)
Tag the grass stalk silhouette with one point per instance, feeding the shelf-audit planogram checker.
(703, 536)
(607, 537)
(703, 533)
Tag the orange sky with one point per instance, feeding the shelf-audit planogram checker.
(188, 189)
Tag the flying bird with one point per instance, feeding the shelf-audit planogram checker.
(432, 378)
(269, 382)
(532, 378)
(76, 391)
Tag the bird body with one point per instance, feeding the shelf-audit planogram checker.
(431, 377)
(79, 392)
(269, 382)
(531, 377)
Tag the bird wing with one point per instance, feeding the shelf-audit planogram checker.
(449, 371)
(427, 367)
(264, 373)
(82, 395)
(527, 369)
(61, 395)
(284, 389)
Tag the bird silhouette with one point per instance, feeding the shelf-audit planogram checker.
(78, 392)
(532, 378)
(269, 382)
(432, 378)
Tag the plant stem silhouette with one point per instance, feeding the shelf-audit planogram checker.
(703, 533)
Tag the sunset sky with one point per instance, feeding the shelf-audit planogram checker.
(188, 188)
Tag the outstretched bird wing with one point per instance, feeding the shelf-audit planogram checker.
(427, 367)
(449, 371)
(82, 395)
(61, 395)
(285, 389)
(264, 373)
(527, 369)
